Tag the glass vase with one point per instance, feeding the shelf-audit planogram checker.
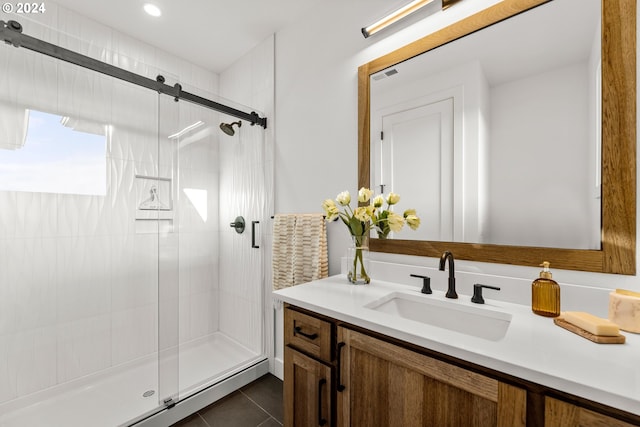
(358, 259)
(382, 234)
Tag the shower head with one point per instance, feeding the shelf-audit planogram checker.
(228, 127)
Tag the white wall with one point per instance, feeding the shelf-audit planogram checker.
(533, 179)
(316, 121)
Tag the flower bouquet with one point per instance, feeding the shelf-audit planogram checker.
(361, 220)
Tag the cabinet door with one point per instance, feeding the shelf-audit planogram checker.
(307, 391)
(387, 385)
(562, 414)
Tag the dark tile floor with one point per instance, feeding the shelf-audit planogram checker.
(258, 404)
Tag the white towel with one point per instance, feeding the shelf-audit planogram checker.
(299, 249)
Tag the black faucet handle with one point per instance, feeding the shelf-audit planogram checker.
(426, 283)
(477, 292)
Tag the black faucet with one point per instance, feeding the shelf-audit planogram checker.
(451, 290)
(426, 283)
(477, 292)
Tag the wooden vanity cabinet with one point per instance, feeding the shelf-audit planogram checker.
(309, 370)
(564, 414)
(337, 374)
(307, 391)
(388, 385)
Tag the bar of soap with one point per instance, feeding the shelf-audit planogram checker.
(624, 310)
(628, 293)
(590, 323)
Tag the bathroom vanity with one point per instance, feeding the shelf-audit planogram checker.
(373, 356)
(387, 355)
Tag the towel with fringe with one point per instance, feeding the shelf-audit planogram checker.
(299, 249)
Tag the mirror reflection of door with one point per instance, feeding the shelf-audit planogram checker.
(526, 136)
(416, 162)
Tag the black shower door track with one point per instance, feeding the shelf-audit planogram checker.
(11, 33)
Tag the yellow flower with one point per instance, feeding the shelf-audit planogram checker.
(393, 198)
(364, 195)
(409, 212)
(371, 210)
(413, 221)
(344, 198)
(330, 209)
(371, 214)
(395, 221)
(363, 213)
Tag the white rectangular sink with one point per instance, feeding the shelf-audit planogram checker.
(481, 321)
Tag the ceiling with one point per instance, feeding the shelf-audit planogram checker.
(210, 33)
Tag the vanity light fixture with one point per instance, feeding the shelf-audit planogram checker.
(401, 13)
(152, 10)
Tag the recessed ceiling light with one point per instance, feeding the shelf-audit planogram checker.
(152, 9)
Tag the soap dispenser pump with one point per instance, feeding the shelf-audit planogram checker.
(545, 294)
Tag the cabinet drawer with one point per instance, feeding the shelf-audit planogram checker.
(308, 334)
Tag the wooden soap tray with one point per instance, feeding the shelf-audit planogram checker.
(600, 339)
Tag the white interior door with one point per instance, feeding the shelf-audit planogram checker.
(416, 162)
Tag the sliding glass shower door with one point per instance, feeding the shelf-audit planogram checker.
(123, 290)
(219, 177)
(88, 266)
(167, 210)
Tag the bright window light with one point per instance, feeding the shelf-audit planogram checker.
(56, 159)
(198, 199)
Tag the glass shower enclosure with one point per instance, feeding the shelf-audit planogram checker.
(123, 290)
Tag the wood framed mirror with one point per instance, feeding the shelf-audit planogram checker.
(616, 253)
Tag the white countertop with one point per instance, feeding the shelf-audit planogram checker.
(534, 348)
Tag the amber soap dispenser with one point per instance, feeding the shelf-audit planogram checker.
(545, 294)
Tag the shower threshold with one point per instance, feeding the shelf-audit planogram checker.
(116, 396)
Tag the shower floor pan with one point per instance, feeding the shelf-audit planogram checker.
(116, 396)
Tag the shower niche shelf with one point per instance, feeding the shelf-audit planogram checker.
(153, 198)
(154, 204)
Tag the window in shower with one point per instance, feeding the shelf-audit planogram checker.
(55, 154)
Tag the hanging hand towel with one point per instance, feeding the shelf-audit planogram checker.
(299, 249)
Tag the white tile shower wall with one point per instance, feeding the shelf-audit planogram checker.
(78, 285)
(83, 346)
(241, 193)
(198, 222)
(249, 81)
(29, 365)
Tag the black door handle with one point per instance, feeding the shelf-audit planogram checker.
(253, 234)
(321, 421)
(340, 386)
(298, 330)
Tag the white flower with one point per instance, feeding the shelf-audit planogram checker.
(393, 198)
(330, 209)
(344, 198)
(395, 221)
(363, 213)
(412, 221)
(364, 195)
(363, 218)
